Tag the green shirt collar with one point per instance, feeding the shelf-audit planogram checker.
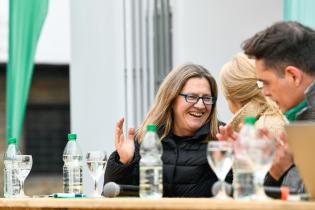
(291, 113)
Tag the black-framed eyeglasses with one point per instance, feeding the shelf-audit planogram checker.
(193, 99)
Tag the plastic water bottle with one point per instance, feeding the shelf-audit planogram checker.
(72, 168)
(11, 182)
(151, 185)
(244, 185)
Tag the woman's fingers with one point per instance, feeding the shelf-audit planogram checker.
(131, 134)
(220, 135)
(119, 134)
(230, 133)
(120, 123)
(227, 133)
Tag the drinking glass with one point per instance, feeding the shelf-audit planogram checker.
(22, 166)
(96, 162)
(261, 153)
(220, 159)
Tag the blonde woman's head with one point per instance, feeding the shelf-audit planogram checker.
(239, 81)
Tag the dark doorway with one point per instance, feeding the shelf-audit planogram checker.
(47, 118)
(46, 129)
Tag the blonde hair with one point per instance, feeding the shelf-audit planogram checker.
(161, 113)
(239, 83)
(239, 80)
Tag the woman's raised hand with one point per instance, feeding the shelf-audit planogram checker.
(124, 147)
(227, 133)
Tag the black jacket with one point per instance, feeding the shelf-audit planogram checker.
(186, 172)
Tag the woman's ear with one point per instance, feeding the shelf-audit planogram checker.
(294, 74)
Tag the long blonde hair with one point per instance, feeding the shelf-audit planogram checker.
(239, 83)
(161, 113)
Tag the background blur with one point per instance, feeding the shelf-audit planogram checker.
(98, 60)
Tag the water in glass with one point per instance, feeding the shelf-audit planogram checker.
(220, 158)
(96, 162)
(261, 153)
(23, 167)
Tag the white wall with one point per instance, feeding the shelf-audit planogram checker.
(4, 21)
(209, 32)
(54, 41)
(96, 74)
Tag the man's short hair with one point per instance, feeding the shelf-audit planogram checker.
(282, 44)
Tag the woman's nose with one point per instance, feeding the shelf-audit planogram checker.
(199, 103)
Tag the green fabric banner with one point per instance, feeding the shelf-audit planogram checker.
(26, 19)
(300, 10)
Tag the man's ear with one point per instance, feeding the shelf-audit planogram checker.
(294, 74)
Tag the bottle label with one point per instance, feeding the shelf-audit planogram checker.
(11, 186)
(151, 181)
(244, 186)
(72, 179)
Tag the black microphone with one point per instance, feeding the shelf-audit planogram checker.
(274, 192)
(111, 189)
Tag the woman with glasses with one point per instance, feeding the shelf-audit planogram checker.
(184, 111)
(244, 95)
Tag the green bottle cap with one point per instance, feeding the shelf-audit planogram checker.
(151, 127)
(72, 136)
(250, 120)
(12, 140)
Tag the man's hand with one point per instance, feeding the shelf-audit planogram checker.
(283, 159)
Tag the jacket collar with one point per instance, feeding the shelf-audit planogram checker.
(294, 111)
(309, 102)
(310, 95)
(200, 134)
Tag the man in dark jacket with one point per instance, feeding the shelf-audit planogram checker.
(285, 64)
